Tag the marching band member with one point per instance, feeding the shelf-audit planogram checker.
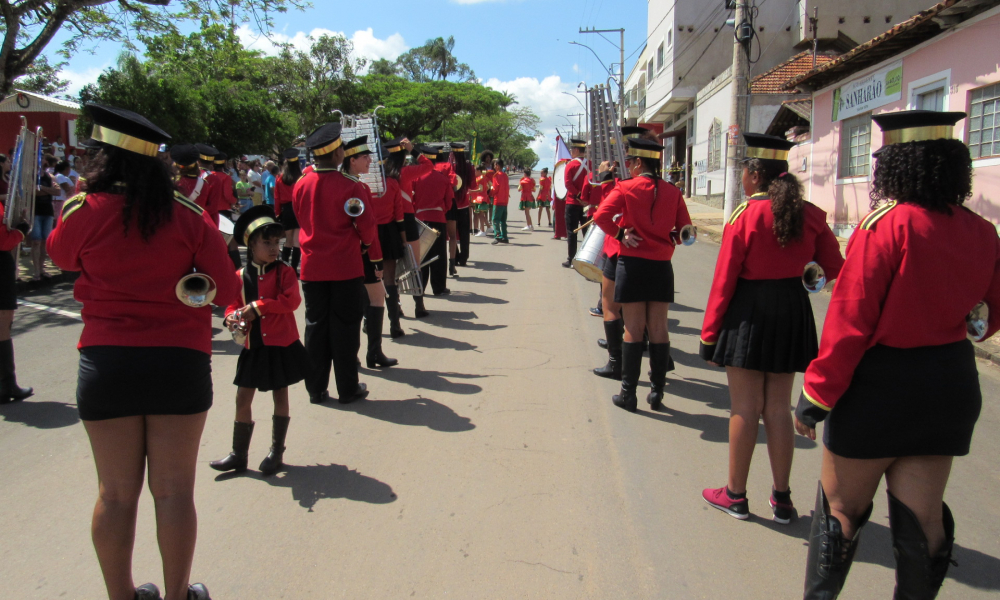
(527, 188)
(501, 197)
(432, 195)
(9, 240)
(577, 194)
(652, 211)
(132, 238)
(357, 161)
(272, 357)
(407, 176)
(291, 172)
(486, 160)
(189, 179)
(896, 378)
(759, 322)
(480, 206)
(611, 311)
(391, 209)
(463, 200)
(226, 202)
(544, 200)
(333, 273)
(442, 165)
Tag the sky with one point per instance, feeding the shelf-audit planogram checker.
(518, 46)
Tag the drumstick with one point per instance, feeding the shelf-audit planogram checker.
(582, 226)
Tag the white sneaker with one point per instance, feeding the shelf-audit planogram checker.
(481, 234)
(490, 230)
(526, 228)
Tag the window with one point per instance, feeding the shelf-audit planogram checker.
(931, 100)
(855, 146)
(984, 122)
(659, 57)
(715, 146)
(649, 73)
(670, 37)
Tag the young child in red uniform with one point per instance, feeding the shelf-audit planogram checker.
(544, 199)
(527, 188)
(272, 358)
(480, 209)
(501, 197)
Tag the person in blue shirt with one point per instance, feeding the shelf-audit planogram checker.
(268, 179)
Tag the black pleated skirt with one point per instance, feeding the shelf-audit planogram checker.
(610, 267)
(128, 381)
(908, 402)
(643, 280)
(392, 244)
(8, 281)
(287, 217)
(768, 327)
(267, 368)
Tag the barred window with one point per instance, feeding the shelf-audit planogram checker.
(855, 146)
(715, 146)
(984, 121)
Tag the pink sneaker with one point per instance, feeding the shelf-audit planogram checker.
(719, 498)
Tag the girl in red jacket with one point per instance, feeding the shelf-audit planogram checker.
(272, 358)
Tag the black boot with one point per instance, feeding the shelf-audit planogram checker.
(659, 364)
(602, 343)
(237, 459)
(613, 370)
(392, 308)
(296, 257)
(631, 365)
(451, 268)
(375, 315)
(9, 390)
(272, 462)
(918, 574)
(830, 553)
(286, 254)
(419, 312)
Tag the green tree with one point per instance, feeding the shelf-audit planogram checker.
(42, 78)
(28, 26)
(433, 61)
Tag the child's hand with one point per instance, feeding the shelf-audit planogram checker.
(248, 313)
(233, 321)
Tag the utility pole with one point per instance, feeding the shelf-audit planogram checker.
(621, 66)
(738, 112)
(579, 122)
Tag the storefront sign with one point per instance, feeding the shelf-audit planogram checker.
(874, 90)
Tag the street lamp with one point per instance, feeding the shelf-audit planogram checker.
(610, 72)
(577, 99)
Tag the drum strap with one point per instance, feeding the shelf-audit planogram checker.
(197, 190)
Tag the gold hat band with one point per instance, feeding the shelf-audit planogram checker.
(328, 148)
(356, 150)
(254, 226)
(918, 134)
(206, 157)
(458, 149)
(393, 149)
(767, 153)
(429, 155)
(177, 164)
(123, 141)
(220, 162)
(295, 159)
(578, 145)
(644, 153)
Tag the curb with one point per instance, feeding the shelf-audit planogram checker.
(986, 354)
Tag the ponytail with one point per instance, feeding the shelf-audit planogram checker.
(785, 192)
(654, 170)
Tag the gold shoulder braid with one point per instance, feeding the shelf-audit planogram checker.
(868, 223)
(183, 200)
(73, 204)
(736, 213)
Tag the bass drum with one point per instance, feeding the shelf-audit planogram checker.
(589, 259)
(559, 180)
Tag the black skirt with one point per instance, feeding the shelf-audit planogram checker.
(127, 381)
(643, 280)
(267, 368)
(768, 327)
(8, 281)
(410, 227)
(908, 402)
(388, 238)
(610, 267)
(287, 217)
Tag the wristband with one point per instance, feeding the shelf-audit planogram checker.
(621, 234)
(808, 413)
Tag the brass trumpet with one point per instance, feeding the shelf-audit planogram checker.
(813, 277)
(977, 322)
(196, 290)
(354, 207)
(241, 330)
(689, 235)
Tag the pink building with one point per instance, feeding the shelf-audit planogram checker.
(938, 60)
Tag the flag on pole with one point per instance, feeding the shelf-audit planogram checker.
(562, 151)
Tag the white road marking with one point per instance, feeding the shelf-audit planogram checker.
(57, 311)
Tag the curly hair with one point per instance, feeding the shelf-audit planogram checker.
(149, 187)
(785, 193)
(935, 174)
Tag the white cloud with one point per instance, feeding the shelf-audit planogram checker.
(78, 79)
(576, 68)
(366, 45)
(547, 100)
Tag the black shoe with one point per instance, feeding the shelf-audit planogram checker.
(198, 591)
(451, 268)
(568, 264)
(237, 459)
(9, 390)
(419, 312)
(602, 343)
(631, 365)
(147, 591)
(830, 553)
(659, 364)
(494, 242)
(320, 399)
(443, 292)
(505, 241)
(359, 394)
(918, 574)
(273, 461)
(596, 312)
(612, 370)
(392, 310)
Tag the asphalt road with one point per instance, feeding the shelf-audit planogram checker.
(489, 464)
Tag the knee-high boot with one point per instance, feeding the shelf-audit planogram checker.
(286, 254)
(375, 316)
(9, 390)
(392, 308)
(273, 461)
(631, 365)
(419, 311)
(918, 574)
(660, 363)
(830, 553)
(613, 333)
(296, 258)
(237, 459)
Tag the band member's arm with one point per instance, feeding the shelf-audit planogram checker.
(397, 204)
(828, 252)
(289, 298)
(211, 257)
(727, 273)
(613, 204)
(71, 233)
(992, 298)
(683, 216)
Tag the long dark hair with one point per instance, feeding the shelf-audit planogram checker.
(345, 167)
(394, 164)
(149, 188)
(291, 171)
(785, 193)
(935, 174)
(653, 165)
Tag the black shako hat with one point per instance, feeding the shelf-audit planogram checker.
(575, 143)
(644, 149)
(252, 220)
(184, 155)
(220, 158)
(206, 153)
(766, 147)
(357, 147)
(916, 126)
(324, 139)
(457, 147)
(90, 144)
(290, 154)
(126, 130)
(392, 146)
(428, 150)
(630, 131)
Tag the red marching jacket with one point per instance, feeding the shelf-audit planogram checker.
(501, 189)
(389, 206)
(910, 278)
(407, 176)
(575, 176)
(432, 196)
(277, 298)
(654, 218)
(282, 195)
(544, 189)
(9, 238)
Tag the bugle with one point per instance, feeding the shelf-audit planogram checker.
(689, 235)
(196, 290)
(354, 207)
(813, 278)
(977, 322)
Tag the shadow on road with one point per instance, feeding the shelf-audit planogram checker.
(713, 428)
(312, 483)
(41, 415)
(473, 298)
(427, 380)
(674, 326)
(429, 340)
(681, 308)
(494, 266)
(689, 359)
(466, 279)
(416, 412)
(461, 321)
(523, 245)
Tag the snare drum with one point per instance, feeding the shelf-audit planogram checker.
(428, 236)
(589, 259)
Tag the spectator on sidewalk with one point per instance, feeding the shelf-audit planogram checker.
(256, 187)
(59, 148)
(243, 193)
(65, 184)
(44, 219)
(268, 180)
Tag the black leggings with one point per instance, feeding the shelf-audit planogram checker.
(574, 218)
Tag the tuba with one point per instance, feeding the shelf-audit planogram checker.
(354, 207)
(196, 290)
(25, 168)
(814, 277)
